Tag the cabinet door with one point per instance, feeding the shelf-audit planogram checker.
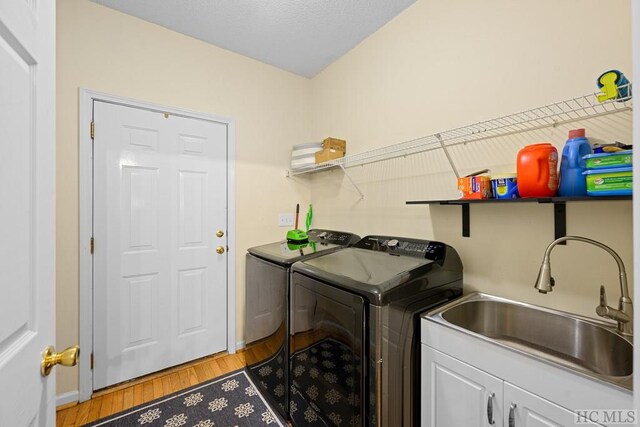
(457, 394)
(523, 409)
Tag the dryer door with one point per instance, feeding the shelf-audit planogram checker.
(327, 354)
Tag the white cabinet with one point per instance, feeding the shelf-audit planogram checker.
(523, 409)
(457, 394)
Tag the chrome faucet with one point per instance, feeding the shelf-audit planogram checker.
(623, 315)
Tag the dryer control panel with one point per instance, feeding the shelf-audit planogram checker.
(332, 236)
(434, 251)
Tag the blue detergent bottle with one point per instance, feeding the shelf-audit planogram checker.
(572, 182)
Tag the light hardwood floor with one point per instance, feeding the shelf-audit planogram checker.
(137, 392)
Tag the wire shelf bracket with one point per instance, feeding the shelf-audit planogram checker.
(352, 182)
(446, 153)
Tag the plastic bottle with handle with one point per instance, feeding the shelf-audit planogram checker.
(572, 165)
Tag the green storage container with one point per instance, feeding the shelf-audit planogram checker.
(609, 182)
(619, 159)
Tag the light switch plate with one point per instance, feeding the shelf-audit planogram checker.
(285, 220)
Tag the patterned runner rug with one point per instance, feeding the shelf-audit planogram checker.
(324, 389)
(269, 376)
(228, 401)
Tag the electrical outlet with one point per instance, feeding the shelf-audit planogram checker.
(285, 220)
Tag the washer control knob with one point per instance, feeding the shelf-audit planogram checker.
(392, 243)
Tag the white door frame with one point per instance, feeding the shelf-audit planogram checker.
(635, 55)
(86, 214)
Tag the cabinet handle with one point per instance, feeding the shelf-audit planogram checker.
(490, 409)
(512, 415)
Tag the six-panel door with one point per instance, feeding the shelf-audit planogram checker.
(159, 198)
(27, 210)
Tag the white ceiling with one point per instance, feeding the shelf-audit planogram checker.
(301, 36)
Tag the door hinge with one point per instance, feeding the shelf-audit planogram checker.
(93, 128)
(91, 361)
(91, 245)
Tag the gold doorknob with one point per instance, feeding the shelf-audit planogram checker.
(50, 358)
(220, 249)
(219, 233)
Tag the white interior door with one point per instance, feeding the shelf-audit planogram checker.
(27, 210)
(160, 291)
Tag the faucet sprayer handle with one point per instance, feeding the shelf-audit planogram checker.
(602, 310)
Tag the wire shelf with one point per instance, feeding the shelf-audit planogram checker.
(571, 110)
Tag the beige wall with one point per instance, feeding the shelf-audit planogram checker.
(447, 63)
(440, 64)
(107, 51)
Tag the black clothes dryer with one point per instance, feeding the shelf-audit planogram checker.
(354, 329)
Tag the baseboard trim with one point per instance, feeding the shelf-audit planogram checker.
(240, 344)
(66, 398)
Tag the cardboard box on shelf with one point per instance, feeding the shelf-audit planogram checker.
(474, 187)
(326, 155)
(334, 144)
(332, 148)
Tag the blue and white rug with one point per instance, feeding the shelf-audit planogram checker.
(228, 401)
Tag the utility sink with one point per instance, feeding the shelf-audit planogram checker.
(587, 346)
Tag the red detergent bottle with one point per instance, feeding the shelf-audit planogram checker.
(537, 170)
